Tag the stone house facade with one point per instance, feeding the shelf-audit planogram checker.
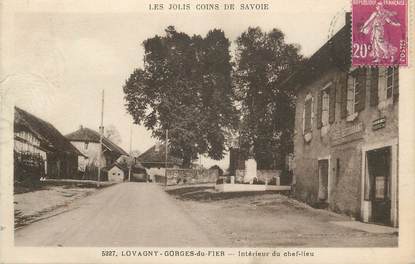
(87, 141)
(346, 134)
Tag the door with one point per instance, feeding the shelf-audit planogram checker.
(379, 167)
(323, 171)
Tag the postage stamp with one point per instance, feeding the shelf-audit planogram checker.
(379, 32)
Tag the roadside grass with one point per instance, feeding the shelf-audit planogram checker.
(64, 183)
(208, 193)
(48, 200)
(20, 188)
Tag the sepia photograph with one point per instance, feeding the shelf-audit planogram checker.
(182, 129)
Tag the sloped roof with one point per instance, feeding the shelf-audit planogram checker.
(335, 53)
(86, 134)
(152, 156)
(124, 159)
(138, 166)
(120, 166)
(48, 135)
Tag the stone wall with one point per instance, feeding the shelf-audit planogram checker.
(180, 176)
(341, 143)
(262, 175)
(267, 175)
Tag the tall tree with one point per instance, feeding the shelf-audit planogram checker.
(112, 133)
(185, 87)
(263, 61)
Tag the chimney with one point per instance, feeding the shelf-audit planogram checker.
(81, 127)
(348, 19)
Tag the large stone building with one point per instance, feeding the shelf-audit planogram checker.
(87, 141)
(346, 134)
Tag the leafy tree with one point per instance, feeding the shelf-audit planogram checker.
(185, 87)
(112, 133)
(263, 61)
(216, 167)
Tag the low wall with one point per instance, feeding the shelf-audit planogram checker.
(249, 188)
(179, 176)
(262, 175)
(267, 175)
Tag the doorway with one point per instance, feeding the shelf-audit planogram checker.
(323, 172)
(379, 184)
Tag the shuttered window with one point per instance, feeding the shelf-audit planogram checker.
(324, 106)
(354, 94)
(360, 90)
(395, 83)
(343, 83)
(332, 104)
(389, 82)
(392, 83)
(307, 115)
(319, 109)
(374, 87)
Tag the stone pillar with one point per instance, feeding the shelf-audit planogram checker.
(250, 170)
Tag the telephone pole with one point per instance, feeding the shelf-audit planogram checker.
(131, 163)
(165, 165)
(101, 134)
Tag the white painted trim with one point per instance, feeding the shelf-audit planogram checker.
(393, 144)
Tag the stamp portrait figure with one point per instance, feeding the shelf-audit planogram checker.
(375, 26)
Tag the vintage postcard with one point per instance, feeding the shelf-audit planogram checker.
(207, 131)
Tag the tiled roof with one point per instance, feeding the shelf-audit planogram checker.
(86, 134)
(157, 155)
(48, 135)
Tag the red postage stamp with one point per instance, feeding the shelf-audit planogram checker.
(379, 32)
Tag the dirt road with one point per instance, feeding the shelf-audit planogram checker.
(140, 214)
(274, 220)
(128, 214)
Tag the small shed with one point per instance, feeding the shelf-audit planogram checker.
(117, 173)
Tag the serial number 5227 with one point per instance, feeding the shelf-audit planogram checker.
(109, 253)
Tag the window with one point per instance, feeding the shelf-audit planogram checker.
(392, 81)
(351, 96)
(308, 114)
(86, 145)
(355, 93)
(385, 88)
(325, 107)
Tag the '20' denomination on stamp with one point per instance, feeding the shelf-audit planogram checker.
(379, 32)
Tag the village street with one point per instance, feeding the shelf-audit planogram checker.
(128, 214)
(141, 214)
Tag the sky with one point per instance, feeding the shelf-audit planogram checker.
(63, 54)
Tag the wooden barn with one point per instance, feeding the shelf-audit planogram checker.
(38, 144)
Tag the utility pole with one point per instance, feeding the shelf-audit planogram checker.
(165, 165)
(131, 163)
(101, 134)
